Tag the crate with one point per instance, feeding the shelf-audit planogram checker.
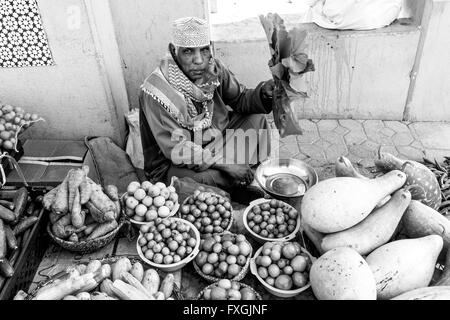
(29, 259)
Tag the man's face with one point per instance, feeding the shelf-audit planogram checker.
(194, 61)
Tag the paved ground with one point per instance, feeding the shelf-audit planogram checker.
(324, 141)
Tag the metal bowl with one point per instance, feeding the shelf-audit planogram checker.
(285, 178)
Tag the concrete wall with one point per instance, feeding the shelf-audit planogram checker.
(72, 96)
(361, 75)
(430, 88)
(143, 29)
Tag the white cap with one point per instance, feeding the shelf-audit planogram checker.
(190, 32)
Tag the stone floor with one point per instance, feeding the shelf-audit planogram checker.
(323, 141)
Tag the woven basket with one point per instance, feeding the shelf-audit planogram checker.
(89, 245)
(241, 275)
(176, 293)
(202, 235)
(243, 285)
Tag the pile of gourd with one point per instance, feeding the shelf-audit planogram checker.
(378, 238)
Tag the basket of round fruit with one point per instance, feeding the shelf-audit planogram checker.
(144, 202)
(168, 244)
(282, 268)
(228, 290)
(271, 220)
(223, 256)
(116, 278)
(209, 212)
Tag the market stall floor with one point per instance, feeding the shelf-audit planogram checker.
(323, 141)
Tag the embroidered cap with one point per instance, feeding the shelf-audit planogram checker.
(190, 32)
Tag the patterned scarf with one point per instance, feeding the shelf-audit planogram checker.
(203, 92)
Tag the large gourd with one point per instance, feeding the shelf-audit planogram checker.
(404, 265)
(339, 203)
(375, 230)
(343, 167)
(342, 274)
(420, 220)
(428, 191)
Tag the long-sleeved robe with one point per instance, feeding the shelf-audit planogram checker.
(171, 148)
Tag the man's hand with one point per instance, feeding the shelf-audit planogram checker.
(242, 174)
(267, 89)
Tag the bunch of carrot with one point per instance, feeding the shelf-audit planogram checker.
(80, 209)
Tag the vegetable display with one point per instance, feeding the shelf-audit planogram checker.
(107, 281)
(283, 265)
(14, 121)
(80, 210)
(16, 223)
(223, 256)
(208, 212)
(228, 290)
(144, 202)
(417, 175)
(273, 219)
(339, 203)
(404, 265)
(342, 274)
(164, 241)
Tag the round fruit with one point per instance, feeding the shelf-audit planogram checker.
(218, 293)
(149, 255)
(146, 185)
(165, 193)
(225, 284)
(223, 267)
(299, 264)
(234, 295)
(140, 210)
(213, 258)
(231, 259)
(153, 191)
(275, 255)
(288, 270)
(151, 215)
(207, 268)
(273, 270)
(217, 248)
(169, 204)
(163, 212)
(147, 201)
(139, 194)
(132, 187)
(158, 258)
(289, 251)
(131, 203)
(168, 259)
(233, 270)
(299, 279)
(283, 282)
(270, 281)
(160, 185)
(265, 261)
(159, 201)
(247, 294)
(233, 249)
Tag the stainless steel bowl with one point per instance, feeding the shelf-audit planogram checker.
(285, 178)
